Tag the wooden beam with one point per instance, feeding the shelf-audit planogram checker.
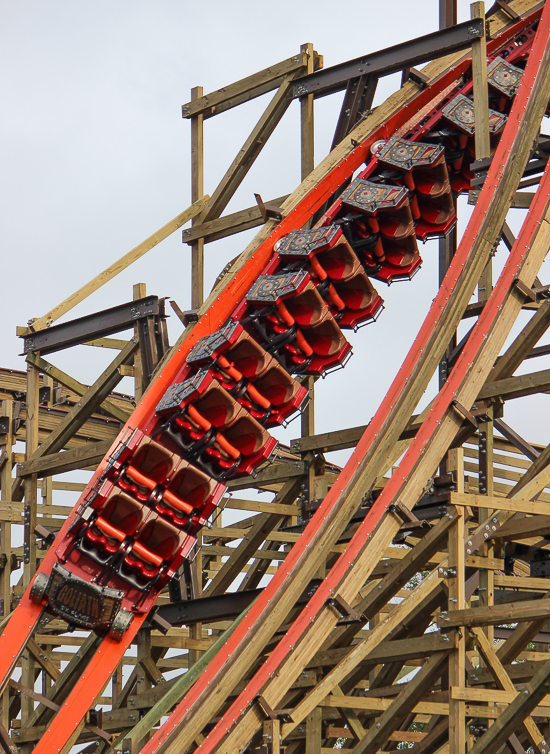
(113, 270)
(276, 472)
(517, 387)
(481, 93)
(244, 90)
(540, 469)
(77, 387)
(254, 538)
(514, 506)
(520, 200)
(492, 616)
(522, 528)
(197, 192)
(228, 225)
(405, 702)
(507, 364)
(503, 681)
(94, 397)
(67, 460)
(516, 712)
(115, 343)
(307, 127)
(249, 152)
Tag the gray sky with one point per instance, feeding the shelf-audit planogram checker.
(95, 157)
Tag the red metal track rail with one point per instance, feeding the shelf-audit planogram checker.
(399, 478)
(214, 674)
(27, 613)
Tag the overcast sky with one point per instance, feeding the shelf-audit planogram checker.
(95, 158)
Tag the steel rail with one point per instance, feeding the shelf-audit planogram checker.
(199, 705)
(298, 209)
(520, 126)
(218, 307)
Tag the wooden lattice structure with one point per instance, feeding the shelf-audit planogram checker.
(401, 601)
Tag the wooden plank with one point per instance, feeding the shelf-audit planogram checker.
(229, 224)
(115, 343)
(390, 650)
(503, 681)
(94, 397)
(522, 705)
(517, 387)
(307, 132)
(259, 507)
(507, 364)
(252, 86)
(78, 388)
(405, 702)
(523, 528)
(490, 616)
(197, 192)
(67, 460)
(113, 270)
(520, 200)
(539, 470)
(482, 501)
(249, 152)
(275, 472)
(248, 547)
(377, 704)
(481, 90)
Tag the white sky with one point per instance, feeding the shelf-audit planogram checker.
(95, 157)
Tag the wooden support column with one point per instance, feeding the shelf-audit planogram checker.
(272, 736)
(31, 485)
(307, 130)
(481, 92)
(143, 656)
(197, 192)
(29, 539)
(6, 410)
(457, 600)
(314, 728)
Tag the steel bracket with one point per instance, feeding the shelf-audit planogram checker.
(463, 411)
(348, 613)
(284, 715)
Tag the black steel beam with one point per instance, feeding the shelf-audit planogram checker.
(390, 60)
(220, 607)
(97, 325)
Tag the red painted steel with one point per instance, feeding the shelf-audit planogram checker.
(27, 613)
(391, 491)
(369, 439)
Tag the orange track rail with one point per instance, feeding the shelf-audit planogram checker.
(99, 670)
(214, 673)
